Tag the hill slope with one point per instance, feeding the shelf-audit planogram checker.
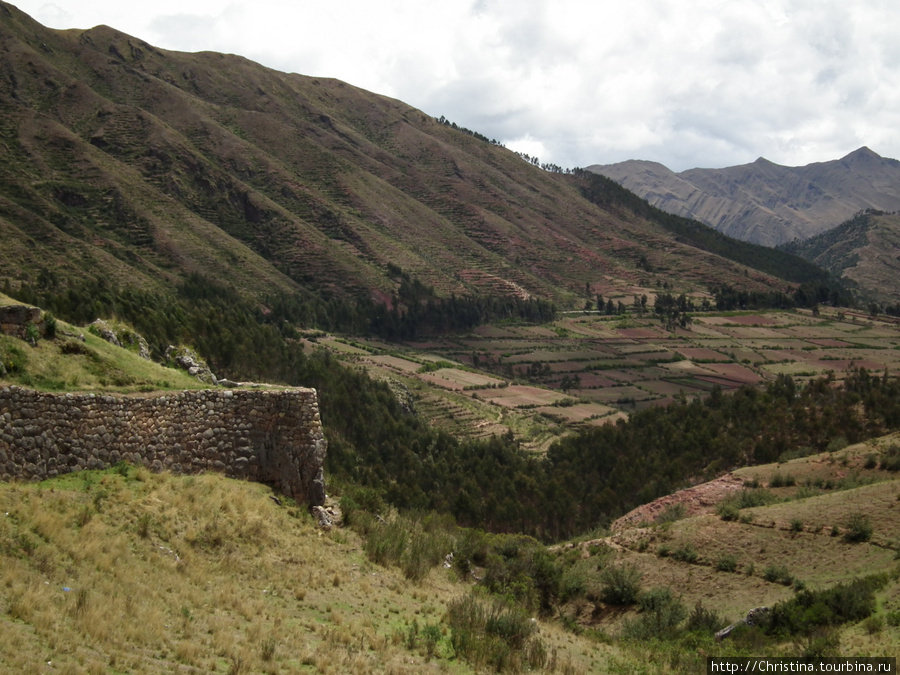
(766, 203)
(149, 165)
(862, 251)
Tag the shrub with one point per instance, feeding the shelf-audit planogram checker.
(728, 510)
(744, 499)
(704, 620)
(779, 480)
(12, 359)
(778, 574)
(890, 459)
(837, 444)
(685, 553)
(672, 513)
(573, 585)
(859, 528)
(807, 610)
(796, 525)
(471, 551)
(49, 326)
(620, 584)
(494, 636)
(660, 615)
(522, 570)
(361, 499)
(726, 563)
(874, 624)
(32, 334)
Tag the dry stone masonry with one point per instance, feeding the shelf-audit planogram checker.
(269, 436)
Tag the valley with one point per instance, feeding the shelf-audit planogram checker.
(566, 431)
(541, 382)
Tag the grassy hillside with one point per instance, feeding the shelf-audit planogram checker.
(77, 359)
(124, 571)
(862, 252)
(148, 165)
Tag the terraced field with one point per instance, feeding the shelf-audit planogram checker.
(542, 381)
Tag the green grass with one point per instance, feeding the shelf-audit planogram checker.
(70, 363)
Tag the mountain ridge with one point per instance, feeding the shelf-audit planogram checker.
(764, 202)
(151, 165)
(862, 252)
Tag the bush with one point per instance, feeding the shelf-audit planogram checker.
(472, 547)
(494, 636)
(837, 444)
(32, 334)
(778, 480)
(685, 553)
(859, 528)
(796, 525)
(408, 544)
(890, 459)
(672, 513)
(660, 615)
(49, 326)
(620, 584)
(778, 574)
(726, 563)
(522, 570)
(729, 507)
(807, 610)
(728, 510)
(704, 620)
(361, 499)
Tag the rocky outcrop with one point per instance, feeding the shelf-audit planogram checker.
(273, 437)
(121, 337)
(754, 617)
(187, 359)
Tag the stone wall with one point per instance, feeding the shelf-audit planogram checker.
(14, 319)
(273, 436)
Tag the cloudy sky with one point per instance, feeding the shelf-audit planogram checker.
(707, 83)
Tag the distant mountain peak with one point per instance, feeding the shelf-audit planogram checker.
(862, 154)
(771, 204)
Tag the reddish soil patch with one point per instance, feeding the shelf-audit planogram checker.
(514, 396)
(590, 381)
(721, 381)
(695, 500)
(666, 388)
(638, 332)
(736, 372)
(830, 343)
(702, 354)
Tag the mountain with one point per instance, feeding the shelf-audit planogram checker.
(763, 202)
(862, 251)
(147, 166)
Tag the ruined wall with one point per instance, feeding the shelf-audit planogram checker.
(273, 437)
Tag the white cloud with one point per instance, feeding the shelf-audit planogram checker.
(694, 83)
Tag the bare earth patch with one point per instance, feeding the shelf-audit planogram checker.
(695, 500)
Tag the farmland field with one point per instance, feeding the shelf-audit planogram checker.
(540, 382)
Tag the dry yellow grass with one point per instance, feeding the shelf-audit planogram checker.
(129, 571)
